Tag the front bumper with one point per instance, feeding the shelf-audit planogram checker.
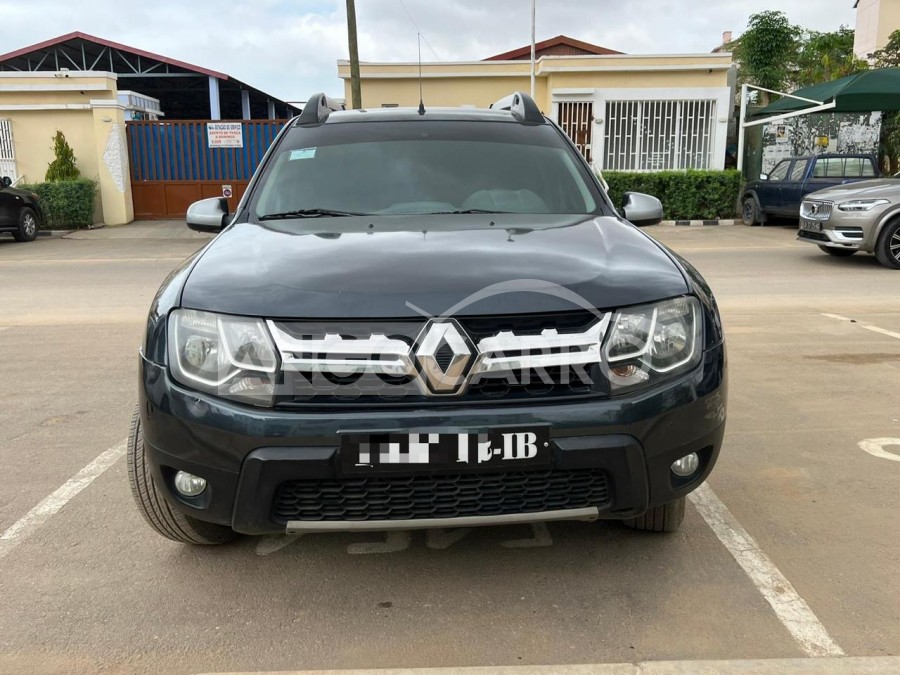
(246, 454)
(843, 229)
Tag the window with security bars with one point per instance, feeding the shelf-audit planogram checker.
(658, 135)
(576, 118)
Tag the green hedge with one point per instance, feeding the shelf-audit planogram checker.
(66, 204)
(685, 195)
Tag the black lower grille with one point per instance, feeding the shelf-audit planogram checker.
(815, 236)
(439, 496)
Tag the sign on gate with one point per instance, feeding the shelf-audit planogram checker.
(225, 134)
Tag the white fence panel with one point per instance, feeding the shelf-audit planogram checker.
(7, 151)
(657, 135)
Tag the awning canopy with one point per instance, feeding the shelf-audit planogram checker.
(863, 92)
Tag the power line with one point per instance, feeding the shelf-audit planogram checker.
(419, 30)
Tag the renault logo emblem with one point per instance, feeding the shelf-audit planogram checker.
(444, 356)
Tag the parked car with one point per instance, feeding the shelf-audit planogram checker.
(857, 217)
(417, 320)
(780, 192)
(19, 211)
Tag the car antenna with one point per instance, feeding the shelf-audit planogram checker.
(421, 99)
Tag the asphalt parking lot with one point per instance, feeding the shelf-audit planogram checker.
(809, 473)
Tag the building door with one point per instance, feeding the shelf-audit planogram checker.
(577, 119)
(175, 163)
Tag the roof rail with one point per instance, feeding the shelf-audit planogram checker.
(317, 109)
(522, 106)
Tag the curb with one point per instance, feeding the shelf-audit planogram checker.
(700, 223)
(868, 665)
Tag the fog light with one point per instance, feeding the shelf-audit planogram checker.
(685, 466)
(190, 485)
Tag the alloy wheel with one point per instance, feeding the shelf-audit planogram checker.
(29, 225)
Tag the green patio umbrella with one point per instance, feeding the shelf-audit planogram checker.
(863, 92)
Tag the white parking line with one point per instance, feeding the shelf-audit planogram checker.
(789, 607)
(28, 524)
(863, 324)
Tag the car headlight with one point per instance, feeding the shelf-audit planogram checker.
(649, 343)
(862, 204)
(229, 356)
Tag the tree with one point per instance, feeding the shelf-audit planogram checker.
(889, 55)
(827, 56)
(768, 51)
(63, 166)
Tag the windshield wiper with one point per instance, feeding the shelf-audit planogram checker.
(310, 213)
(462, 211)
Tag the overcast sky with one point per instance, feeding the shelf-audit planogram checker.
(288, 48)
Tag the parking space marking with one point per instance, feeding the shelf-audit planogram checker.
(863, 324)
(875, 447)
(789, 607)
(28, 524)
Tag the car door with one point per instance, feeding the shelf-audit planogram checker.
(768, 191)
(792, 187)
(8, 207)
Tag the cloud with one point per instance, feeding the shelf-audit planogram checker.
(288, 48)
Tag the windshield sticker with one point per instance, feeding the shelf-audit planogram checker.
(303, 153)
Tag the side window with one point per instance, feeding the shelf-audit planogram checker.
(867, 168)
(853, 167)
(799, 169)
(780, 171)
(834, 167)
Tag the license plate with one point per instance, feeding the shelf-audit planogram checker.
(811, 225)
(436, 451)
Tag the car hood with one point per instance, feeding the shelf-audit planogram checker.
(879, 188)
(401, 266)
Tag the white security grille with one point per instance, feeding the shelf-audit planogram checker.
(7, 151)
(577, 119)
(658, 135)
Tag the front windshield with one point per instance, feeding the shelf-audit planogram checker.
(419, 168)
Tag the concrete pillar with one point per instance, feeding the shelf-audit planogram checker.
(271, 110)
(215, 111)
(112, 159)
(245, 104)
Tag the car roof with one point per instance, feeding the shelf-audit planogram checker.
(431, 114)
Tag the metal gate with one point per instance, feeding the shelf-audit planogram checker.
(173, 165)
(7, 151)
(577, 119)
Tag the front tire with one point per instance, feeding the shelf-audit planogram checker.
(156, 510)
(887, 250)
(665, 518)
(749, 212)
(838, 252)
(28, 225)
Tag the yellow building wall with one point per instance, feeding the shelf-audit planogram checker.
(84, 107)
(483, 82)
(875, 21)
(888, 21)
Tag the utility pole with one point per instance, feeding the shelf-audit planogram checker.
(355, 87)
(532, 45)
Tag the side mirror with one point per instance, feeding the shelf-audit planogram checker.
(208, 215)
(764, 176)
(642, 209)
(5, 182)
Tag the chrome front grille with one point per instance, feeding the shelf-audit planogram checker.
(812, 209)
(470, 358)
